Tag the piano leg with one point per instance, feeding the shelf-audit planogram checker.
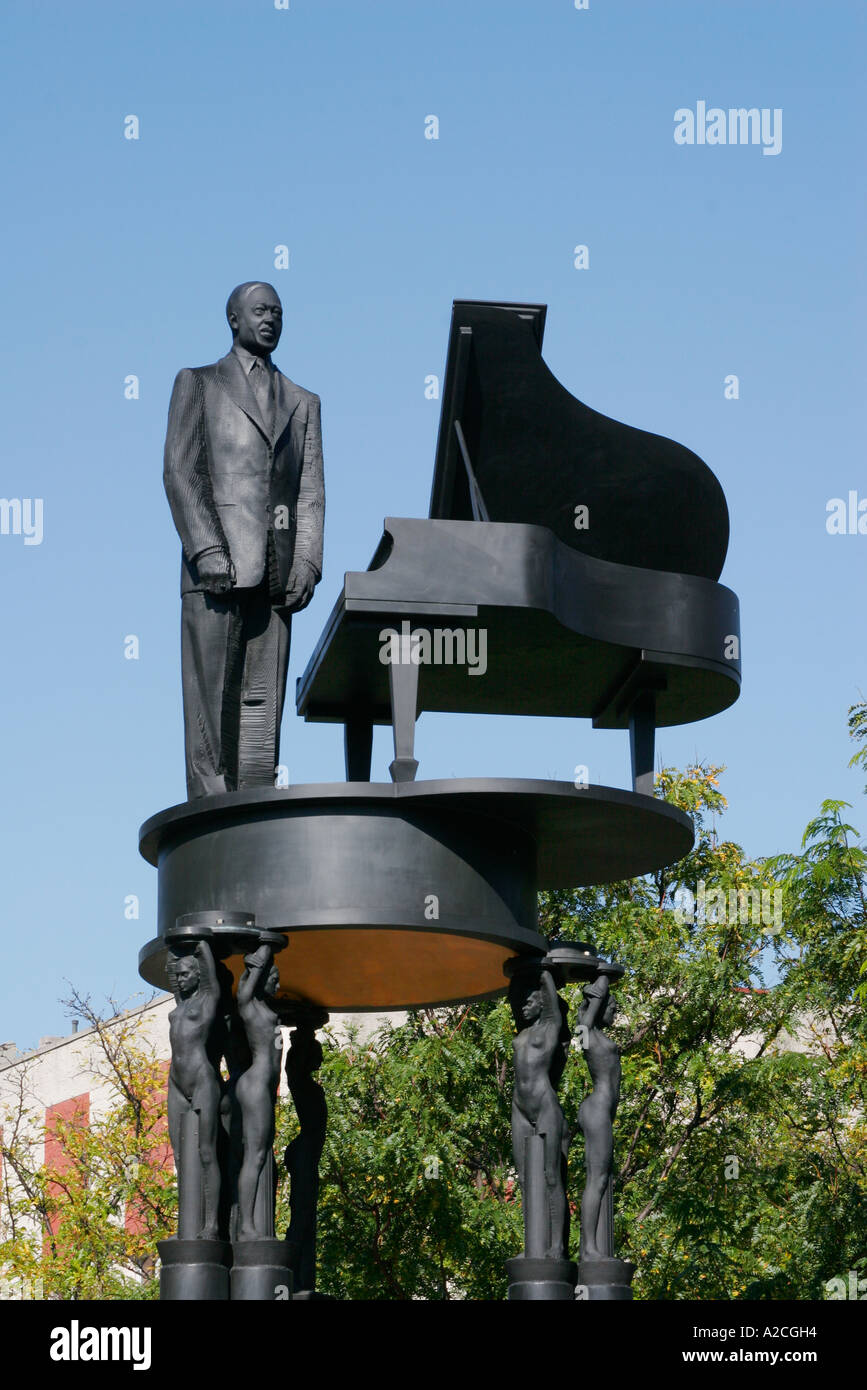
(357, 748)
(642, 728)
(403, 686)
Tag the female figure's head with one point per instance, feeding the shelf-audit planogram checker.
(183, 973)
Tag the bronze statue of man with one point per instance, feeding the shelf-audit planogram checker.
(244, 478)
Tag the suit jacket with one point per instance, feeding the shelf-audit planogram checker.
(229, 482)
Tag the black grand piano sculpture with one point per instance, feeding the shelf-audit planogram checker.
(589, 553)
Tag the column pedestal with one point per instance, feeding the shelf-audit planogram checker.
(604, 1280)
(261, 1271)
(194, 1269)
(533, 1279)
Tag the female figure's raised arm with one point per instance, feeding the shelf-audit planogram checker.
(208, 983)
(550, 1000)
(257, 966)
(595, 1000)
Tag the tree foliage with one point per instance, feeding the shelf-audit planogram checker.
(86, 1224)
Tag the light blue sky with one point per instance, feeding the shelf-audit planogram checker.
(306, 127)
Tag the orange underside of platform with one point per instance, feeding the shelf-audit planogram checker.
(371, 968)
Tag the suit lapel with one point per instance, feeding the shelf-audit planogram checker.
(286, 399)
(235, 383)
(233, 379)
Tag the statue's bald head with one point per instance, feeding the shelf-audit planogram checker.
(240, 292)
(255, 316)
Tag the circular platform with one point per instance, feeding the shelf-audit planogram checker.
(398, 895)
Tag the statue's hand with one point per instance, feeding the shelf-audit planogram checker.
(597, 989)
(216, 573)
(261, 956)
(299, 590)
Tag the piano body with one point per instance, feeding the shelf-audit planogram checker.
(586, 551)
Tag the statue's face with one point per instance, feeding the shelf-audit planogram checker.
(187, 976)
(533, 1007)
(272, 983)
(258, 320)
(610, 1011)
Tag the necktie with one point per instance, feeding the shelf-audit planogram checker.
(263, 390)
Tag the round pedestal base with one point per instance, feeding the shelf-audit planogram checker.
(194, 1270)
(397, 896)
(604, 1280)
(541, 1280)
(261, 1271)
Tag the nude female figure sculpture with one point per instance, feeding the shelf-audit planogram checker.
(303, 1152)
(256, 1088)
(596, 1116)
(539, 1050)
(194, 1084)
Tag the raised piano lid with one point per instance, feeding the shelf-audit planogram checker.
(538, 453)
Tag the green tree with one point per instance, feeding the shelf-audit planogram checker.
(86, 1225)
